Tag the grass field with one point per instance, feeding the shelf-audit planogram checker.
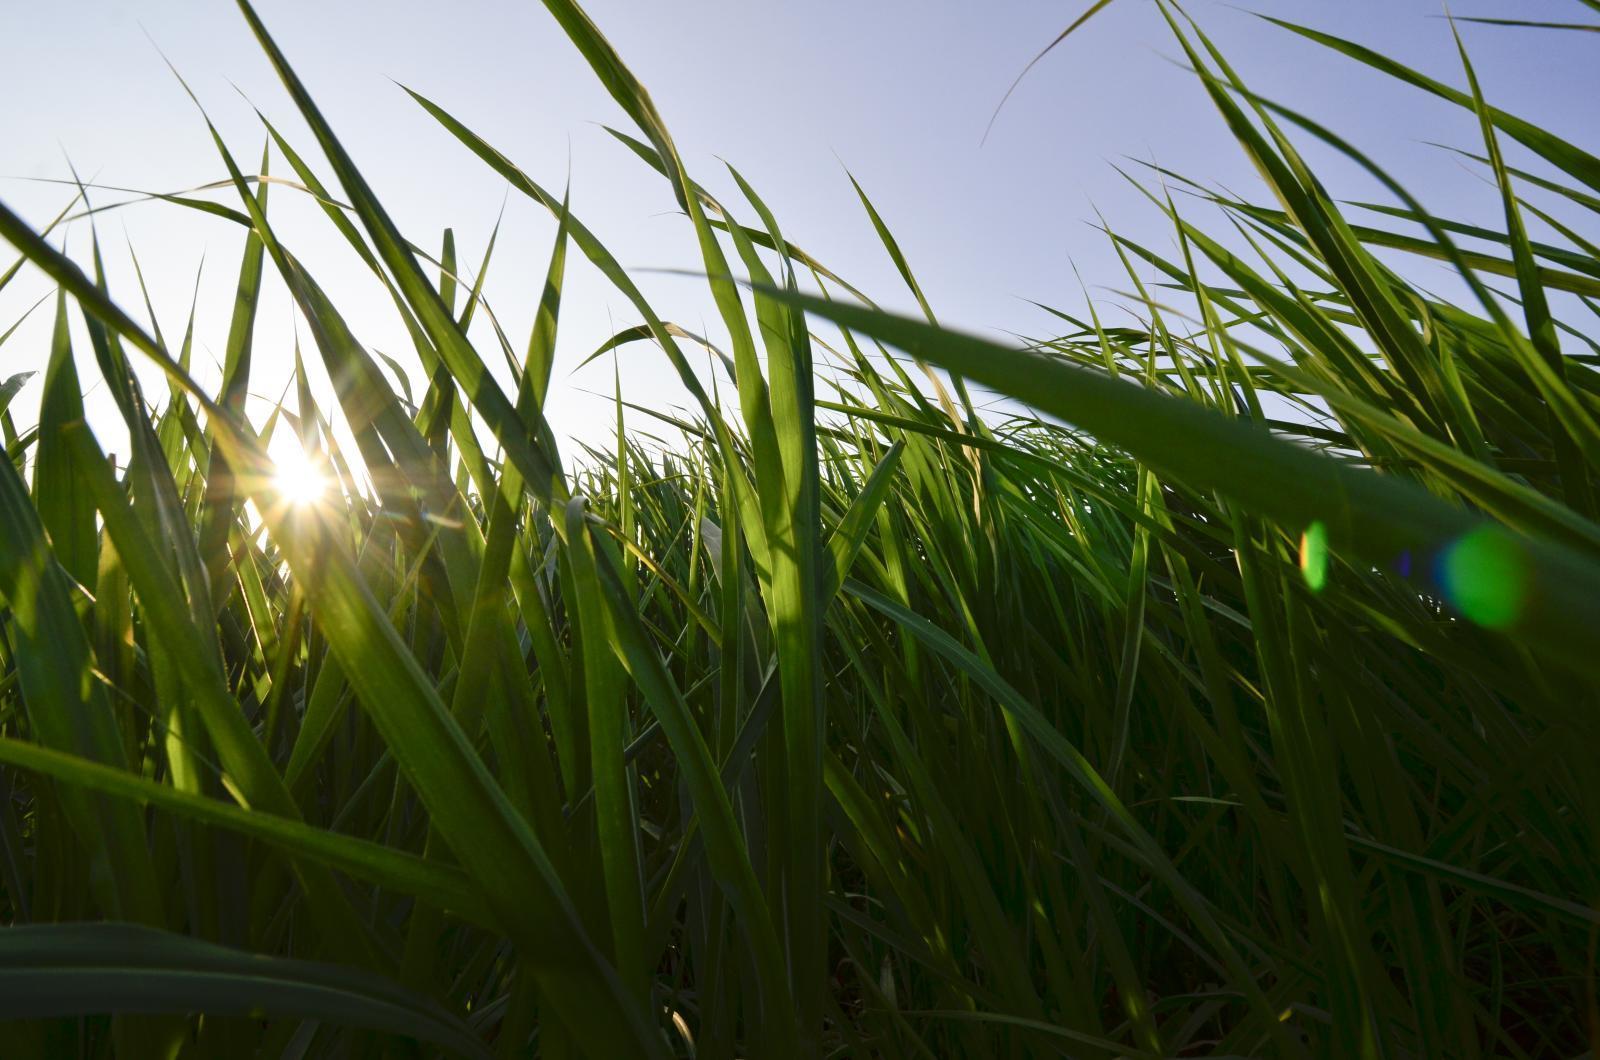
(1234, 694)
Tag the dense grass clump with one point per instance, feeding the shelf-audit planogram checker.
(1234, 694)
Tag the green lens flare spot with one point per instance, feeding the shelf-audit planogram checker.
(1314, 555)
(1484, 575)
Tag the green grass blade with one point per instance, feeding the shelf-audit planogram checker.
(1372, 517)
(78, 969)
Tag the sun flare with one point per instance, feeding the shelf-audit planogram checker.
(298, 479)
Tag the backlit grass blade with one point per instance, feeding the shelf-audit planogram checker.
(596, 252)
(67, 708)
(67, 515)
(1550, 592)
(1198, 692)
(248, 771)
(470, 809)
(433, 316)
(850, 535)
(617, 824)
(235, 386)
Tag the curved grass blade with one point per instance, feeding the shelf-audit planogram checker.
(77, 969)
(1374, 518)
(439, 885)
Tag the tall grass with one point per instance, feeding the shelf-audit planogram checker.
(1236, 699)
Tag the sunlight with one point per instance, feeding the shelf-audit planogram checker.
(298, 479)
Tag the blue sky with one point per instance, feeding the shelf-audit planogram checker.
(898, 92)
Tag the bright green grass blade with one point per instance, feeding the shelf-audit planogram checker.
(795, 612)
(1551, 590)
(1544, 371)
(67, 515)
(67, 708)
(725, 847)
(1221, 799)
(1572, 160)
(850, 535)
(1582, 27)
(220, 489)
(904, 268)
(471, 811)
(247, 770)
(16, 266)
(617, 825)
(608, 265)
(433, 316)
(1571, 450)
(756, 236)
(12, 386)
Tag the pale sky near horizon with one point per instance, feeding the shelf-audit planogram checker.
(898, 92)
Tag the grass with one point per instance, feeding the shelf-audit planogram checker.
(1233, 694)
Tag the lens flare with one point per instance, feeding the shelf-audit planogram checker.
(1484, 575)
(1314, 555)
(297, 478)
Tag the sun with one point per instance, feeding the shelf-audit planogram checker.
(298, 479)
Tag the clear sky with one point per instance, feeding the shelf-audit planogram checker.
(792, 93)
